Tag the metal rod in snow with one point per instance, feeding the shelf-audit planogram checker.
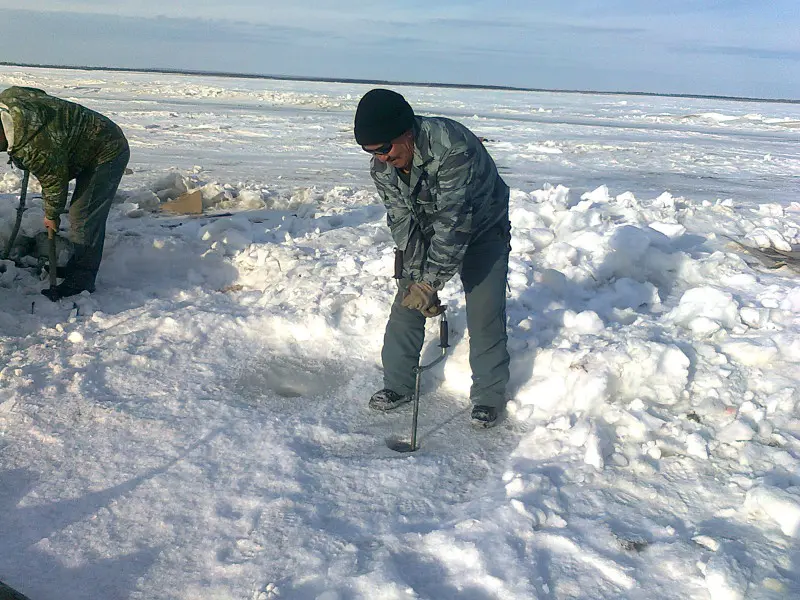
(20, 209)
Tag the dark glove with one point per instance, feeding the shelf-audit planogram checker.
(422, 297)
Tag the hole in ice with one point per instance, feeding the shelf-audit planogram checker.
(401, 445)
(287, 377)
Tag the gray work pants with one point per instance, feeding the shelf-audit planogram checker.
(483, 274)
(88, 211)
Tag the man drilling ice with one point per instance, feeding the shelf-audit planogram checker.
(447, 208)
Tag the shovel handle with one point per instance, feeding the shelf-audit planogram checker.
(51, 257)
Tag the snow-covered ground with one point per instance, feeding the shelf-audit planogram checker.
(198, 427)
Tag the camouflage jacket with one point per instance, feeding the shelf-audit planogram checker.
(56, 140)
(453, 196)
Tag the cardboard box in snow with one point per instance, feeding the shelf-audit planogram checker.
(190, 203)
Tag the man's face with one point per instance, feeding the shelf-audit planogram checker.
(401, 154)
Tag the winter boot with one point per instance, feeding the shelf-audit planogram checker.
(483, 417)
(387, 399)
(63, 289)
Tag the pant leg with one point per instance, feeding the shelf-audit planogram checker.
(484, 274)
(88, 212)
(402, 343)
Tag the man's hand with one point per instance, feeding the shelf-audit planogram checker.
(422, 297)
(435, 309)
(51, 225)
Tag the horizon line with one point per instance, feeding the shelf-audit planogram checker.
(235, 75)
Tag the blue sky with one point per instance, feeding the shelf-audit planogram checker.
(720, 47)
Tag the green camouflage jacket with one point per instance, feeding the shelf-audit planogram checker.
(454, 195)
(56, 140)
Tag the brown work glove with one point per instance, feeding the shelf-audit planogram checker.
(422, 297)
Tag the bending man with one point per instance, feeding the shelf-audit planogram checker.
(447, 208)
(58, 141)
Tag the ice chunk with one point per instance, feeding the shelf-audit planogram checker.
(599, 195)
(696, 446)
(755, 317)
(541, 237)
(706, 542)
(792, 301)
(8, 272)
(212, 193)
(671, 230)
(170, 186)
(709, 302)
(586, 322)
(131, 210)
(594, 452)
(770, 209)
(249, 199)
(629, 240)
(524, 218)
(738, 431)
(725, 578)
(652, 371)
(703, 326)
(778, 505)
(144, 199)
(751, 353)
(767, 238)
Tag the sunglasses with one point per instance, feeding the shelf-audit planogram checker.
(385, 149)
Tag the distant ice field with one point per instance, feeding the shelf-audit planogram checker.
(294, 133)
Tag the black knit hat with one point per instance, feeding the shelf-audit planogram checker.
(381, 116)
